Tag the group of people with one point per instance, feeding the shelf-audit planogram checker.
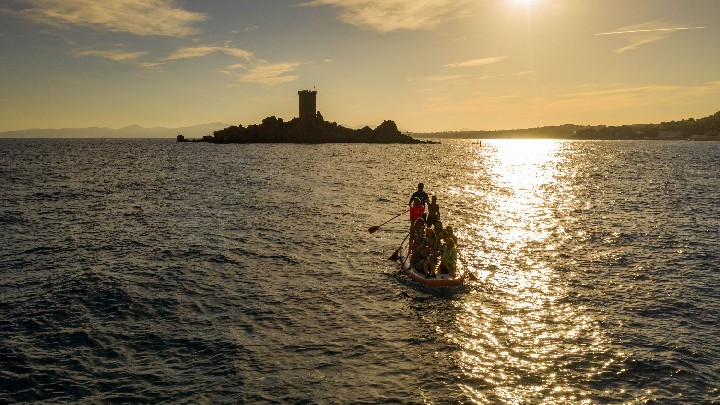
(433, 248)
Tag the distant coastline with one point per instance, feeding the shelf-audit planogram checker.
(703, 129)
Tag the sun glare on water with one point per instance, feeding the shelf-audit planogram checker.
(520, 339)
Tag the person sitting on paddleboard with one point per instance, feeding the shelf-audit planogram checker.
(417, 236)
(448, 234)
(416, 212)
(439, 231)
(423, 196)
(433, 212)
(428, 266)
(448, 260)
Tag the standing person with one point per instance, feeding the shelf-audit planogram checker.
(419, 194)
(433, 212)
(416, 212)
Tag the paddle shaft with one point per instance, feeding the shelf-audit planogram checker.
(375, 228)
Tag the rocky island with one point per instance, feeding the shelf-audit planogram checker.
(309, 127)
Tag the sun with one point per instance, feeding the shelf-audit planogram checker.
(522, 2)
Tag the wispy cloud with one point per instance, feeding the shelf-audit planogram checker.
(395, 15)
(246, 29)
(619, 96)
(477, 62)
(199, 51)
(251, 70)
(139, 17)
(518, 74)
(593, 101)
(263, 72)
(444, 78)
(636, 36)
(650, 30)
(116, 55)
(464, 78)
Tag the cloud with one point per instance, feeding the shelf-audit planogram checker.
(518, 74)
(465, 77)
(114, 55)
(132, 58)
(650, 30)
(636, 36)
(617, 97)
(395, 15)
(199, 51)
(444, 78)
(619, 104)
(262, 72)
(246, 29)
(477, 62)
(253, 70)
(139, 17)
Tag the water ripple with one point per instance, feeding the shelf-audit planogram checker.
(150, 271)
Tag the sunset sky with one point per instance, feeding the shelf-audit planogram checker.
(428, 65)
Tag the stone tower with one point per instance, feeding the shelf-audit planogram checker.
(308, 107)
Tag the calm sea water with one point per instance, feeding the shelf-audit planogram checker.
(151, 271)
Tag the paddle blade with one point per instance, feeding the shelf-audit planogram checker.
(372, 229)
(394, 256)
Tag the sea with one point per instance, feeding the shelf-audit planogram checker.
(150, 271)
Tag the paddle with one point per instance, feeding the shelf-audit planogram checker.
(394, 256)
(372, 229)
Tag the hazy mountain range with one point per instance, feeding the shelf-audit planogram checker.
(132, 131)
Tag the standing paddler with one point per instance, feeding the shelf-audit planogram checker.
(422, 195)
(418, 201)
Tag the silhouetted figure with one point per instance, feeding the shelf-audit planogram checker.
(433, 212)
(422, 195)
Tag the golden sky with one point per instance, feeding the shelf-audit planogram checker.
(428, 65)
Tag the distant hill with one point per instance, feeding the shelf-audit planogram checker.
(558, 131)
(707, 128)
(132, 131)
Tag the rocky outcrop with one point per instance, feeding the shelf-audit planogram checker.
(275, 130)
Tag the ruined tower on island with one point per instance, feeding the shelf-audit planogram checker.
(308, 107)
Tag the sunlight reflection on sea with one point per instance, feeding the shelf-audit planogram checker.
(521, 340)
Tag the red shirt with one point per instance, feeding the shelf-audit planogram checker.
(416, 212)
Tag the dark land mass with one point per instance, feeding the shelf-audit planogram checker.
(304, 130)
(703, 129)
